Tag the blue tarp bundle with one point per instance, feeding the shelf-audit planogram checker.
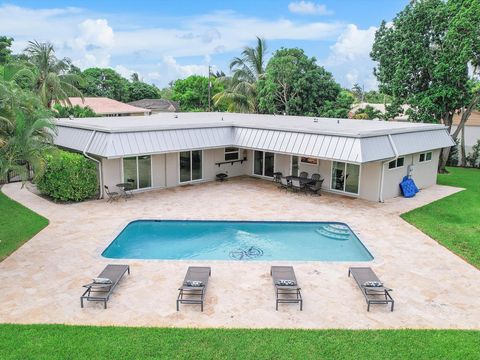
(408, 187)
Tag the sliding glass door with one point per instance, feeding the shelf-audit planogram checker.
(137, 171)
(345, 177)
(295, 165)
(190, 163)
(263, 163)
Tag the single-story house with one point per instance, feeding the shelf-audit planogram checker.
(358, 158)
(157, 105)
(104, 106)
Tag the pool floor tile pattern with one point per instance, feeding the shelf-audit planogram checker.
(41, 281)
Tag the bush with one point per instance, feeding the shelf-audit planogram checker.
(68, 177)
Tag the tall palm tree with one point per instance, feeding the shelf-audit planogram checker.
(52, 83)
(240, 90)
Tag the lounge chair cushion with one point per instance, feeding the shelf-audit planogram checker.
(286, 283)
(373, 284)
(193, 283)
(102, 281)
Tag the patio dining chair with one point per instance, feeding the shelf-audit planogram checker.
(277, 176)
(303, 174)
(315, 187)
(297, 185)
(112, 195)
(284, 184)
(316, 177)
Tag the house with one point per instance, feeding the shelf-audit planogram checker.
(378, 107)
(471, 129)
(157, 105)
(359, 158)
(104, 106)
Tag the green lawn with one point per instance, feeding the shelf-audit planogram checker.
(17, 225)
(455, 220)
(85, 342)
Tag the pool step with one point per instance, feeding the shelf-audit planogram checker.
(334, 231)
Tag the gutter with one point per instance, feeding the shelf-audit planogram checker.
(382, 171)
(100, 177)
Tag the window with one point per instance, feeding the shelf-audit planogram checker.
(345, 177)
(232, 153)
(190, 165)
(425, 157)
(309, 160)
(137, 170)
(396, 163)
(263, 163)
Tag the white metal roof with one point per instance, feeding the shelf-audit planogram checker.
(356, 141)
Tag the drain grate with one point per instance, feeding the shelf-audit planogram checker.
(246, 253)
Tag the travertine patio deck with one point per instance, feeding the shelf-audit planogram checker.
(41, 282)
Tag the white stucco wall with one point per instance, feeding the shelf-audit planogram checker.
(370, 177)
(158, 171)
(112, 173)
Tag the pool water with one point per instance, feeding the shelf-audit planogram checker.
(237, 240)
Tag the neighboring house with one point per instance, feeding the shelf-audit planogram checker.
(358, 158)
(472, 129)
(378, 107)
(108, 107)
(157, 105)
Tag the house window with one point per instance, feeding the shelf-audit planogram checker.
(232, 153)
(309, 160)
(137, 171)
(425, 157)
(396, 163)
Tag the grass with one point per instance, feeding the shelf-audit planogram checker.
(17, 225)
(90, 342)
(454, 221)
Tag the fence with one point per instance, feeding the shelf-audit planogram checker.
(13, 176)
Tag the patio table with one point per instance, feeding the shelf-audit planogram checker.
(124, 188)
(303, 181)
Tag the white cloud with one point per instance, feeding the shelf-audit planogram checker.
(308, 8)
(168, 69)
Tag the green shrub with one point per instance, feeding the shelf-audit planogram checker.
(68, 177)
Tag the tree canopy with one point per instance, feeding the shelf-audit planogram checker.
(192, 93)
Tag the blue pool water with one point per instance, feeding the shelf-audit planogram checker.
(237, 240)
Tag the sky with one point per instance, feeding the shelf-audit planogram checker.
(166, 40)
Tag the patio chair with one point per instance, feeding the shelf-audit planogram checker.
(277, 176)
(316, 177)
(284, 184)
(303, 174)
(194, 286)
(286, 286)
(371, 287)
(297, 185)
(315, 187)
(102, 287)
(112, 195)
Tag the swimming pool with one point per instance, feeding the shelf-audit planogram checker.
(237, 240)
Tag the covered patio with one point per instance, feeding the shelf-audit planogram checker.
(433, 288)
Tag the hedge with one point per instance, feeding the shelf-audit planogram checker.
(68, 177)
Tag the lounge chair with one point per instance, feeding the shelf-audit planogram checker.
(286, 294)
(196, 275)
(101, 291)
(373, 295)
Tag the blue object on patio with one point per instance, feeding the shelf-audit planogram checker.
(408, 187)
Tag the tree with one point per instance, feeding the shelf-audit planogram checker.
(138, 90)
(294, 84)
(105, 83)
(76, 111)
(368, 113)
(134, 77)
(425, 60)
(5, 51)
(52, 83)
(192, 93)
(340, 107)
(240, 90)
(358, 92)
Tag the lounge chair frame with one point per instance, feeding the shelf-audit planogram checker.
(196, 295)
(113, 272)
(283, 294)
(372, 296)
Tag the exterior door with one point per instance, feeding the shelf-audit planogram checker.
(263, 163)
(190, 164)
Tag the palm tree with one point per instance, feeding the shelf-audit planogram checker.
(52, 83)
(241, 89)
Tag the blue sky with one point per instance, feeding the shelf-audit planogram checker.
(165, 40)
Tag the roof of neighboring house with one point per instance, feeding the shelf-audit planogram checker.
(473, 120)
(106, 106)
(156, 104)
(357, 141)
(379, 107)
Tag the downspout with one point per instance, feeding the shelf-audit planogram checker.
(382, 173)
(100, 177)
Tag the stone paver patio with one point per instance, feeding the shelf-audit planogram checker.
(41, 281)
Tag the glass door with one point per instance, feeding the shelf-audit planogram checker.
(263, 163)
(295, 165)
(137, 171)
(269, 164)
(345, 177)
(258, 163)
(190, 163)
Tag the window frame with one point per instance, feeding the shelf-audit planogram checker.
(225, 153)
(396, 163)
(425, 157)
(138, 175)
